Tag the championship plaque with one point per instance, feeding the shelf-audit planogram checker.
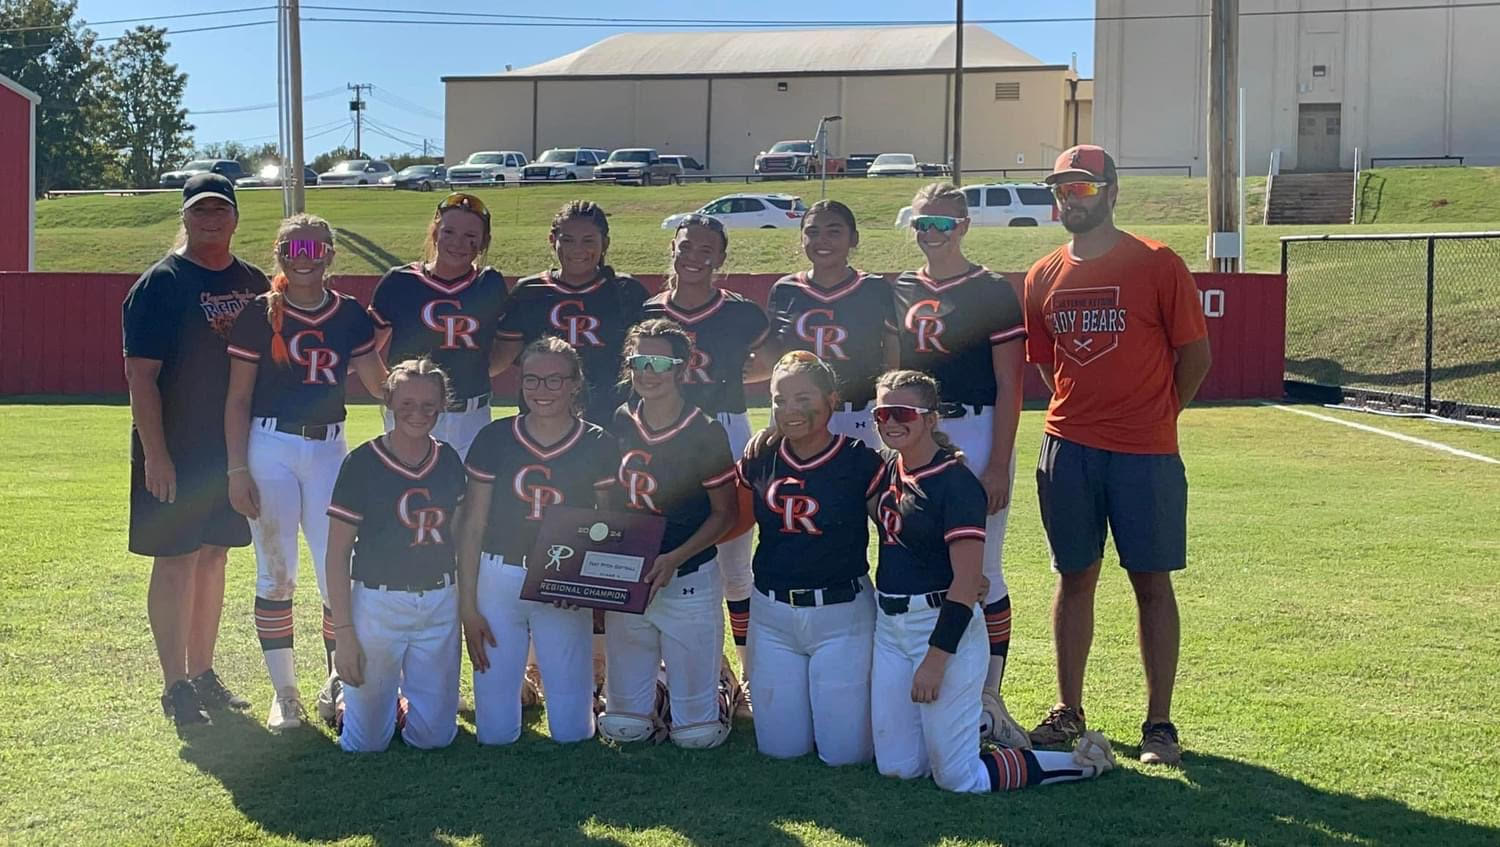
(593, 558)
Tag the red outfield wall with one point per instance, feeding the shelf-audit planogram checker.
(60, 333)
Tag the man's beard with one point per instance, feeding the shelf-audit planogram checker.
(1098, 215)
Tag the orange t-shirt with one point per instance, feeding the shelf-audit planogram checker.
(1108, 327)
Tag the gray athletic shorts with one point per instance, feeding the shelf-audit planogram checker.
(1087, 493)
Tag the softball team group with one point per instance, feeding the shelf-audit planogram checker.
(892, 402)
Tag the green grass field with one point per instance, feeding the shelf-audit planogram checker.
(1339, 656)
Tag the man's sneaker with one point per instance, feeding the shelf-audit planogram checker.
(286, 710)
(180, 703)
(213, 694)
(744, 709)
(1093, 750)
(531, 687)
(329, 698)
(1059, 728)
(996, 724)
(1159, 744)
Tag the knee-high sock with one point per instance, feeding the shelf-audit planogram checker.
(273, 625)
(329, 640)
(997, 624)
(1011, 770)
(739, 627)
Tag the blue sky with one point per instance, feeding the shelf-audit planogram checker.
(235, 68)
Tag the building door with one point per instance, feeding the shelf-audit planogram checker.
(1318, 133)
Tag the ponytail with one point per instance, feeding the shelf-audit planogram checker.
(925, 386)
(275, 314)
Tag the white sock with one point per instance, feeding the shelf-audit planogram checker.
(282, 668)
(995, 673)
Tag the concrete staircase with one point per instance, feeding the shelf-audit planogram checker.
(1310, 199)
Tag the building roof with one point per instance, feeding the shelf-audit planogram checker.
(20, 89)
(698, 54)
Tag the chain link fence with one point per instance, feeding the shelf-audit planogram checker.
(1405, 322)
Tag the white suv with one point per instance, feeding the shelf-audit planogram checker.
(488, 167)
(564, 163)
(1004, 204)
(750, 211)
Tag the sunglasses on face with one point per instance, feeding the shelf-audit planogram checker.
(1078, 190)
(655, 364)
(899, 414)
(303, 248)
(467, 202)
(532, 382)
(935, 223)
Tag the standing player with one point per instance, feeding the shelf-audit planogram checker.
(176, 320)
(395, 609)
(930, 647)
(518, 468)
(674, 462)
(284, 428)
(962, 323)
(727, 332)
(1114, 324)
(833, 310)
(447, 307)
(812, 625)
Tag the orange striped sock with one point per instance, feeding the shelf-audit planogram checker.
(273, 623)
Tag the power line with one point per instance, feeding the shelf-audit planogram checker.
(261, 106)
(194, 29)
(382, 94)
(138, 20)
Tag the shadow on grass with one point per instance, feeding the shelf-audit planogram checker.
(368, 250)
(301, 786)
(1331, 372)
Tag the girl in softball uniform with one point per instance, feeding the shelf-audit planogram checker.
(727, 332)
(812, 619)
(930, 645)
(284, 429)
(963, 323)
(447, 307)
(518, 468)
(843, 316)
(395, 607)
(674, 462)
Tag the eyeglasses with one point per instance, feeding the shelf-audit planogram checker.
(939, 223)
(303, 248)
(532, 382)
(467, 202)
(899, 414)
(655, 364)
(1078, 190)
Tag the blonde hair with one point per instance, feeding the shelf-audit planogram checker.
(942, 192)
(551, 345)
(925, 386)
(276, 299)
(423, 368)
(804, 362)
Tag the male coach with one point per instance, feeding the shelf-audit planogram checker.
(1114, 323)
(177, 319)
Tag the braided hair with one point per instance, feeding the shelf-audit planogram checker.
(276, 299)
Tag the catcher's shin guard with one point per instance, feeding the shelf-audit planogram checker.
(627, 728)
(709, 734)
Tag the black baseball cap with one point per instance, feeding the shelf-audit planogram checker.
(204, 186)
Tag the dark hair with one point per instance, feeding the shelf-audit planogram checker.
(926, 388)
(551, 345)
(423, 368)
(710, 223)
(671, 331)
(836, 208)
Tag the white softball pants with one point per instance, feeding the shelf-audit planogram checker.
(410, 640)
(683, 626)
(856, 423)
(455, 428)
(972, 434)
(811, 666)
(295, 477)
(940, 738)
(734, 555)
(564, 640)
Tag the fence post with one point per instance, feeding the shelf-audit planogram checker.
(1284, 245)
(1431, 286)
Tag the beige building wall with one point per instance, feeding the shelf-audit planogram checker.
(896, 114)
(1024, 133)
(487, 115)
(750, 114)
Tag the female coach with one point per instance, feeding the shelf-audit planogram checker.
(930, 646)
(518, 468)
(284, 428)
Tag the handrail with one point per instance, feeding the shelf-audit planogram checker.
(1354, 200)
(1272, 170)
(1374, 159)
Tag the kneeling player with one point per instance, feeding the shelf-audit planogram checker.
(396, 623)
(931, 650)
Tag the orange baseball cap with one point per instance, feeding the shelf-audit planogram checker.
(1087, 161)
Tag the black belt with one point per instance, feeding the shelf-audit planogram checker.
(960, 410)
(809, 596)
(440, 581)
(901, 604)
(463, 405)
(312, 432)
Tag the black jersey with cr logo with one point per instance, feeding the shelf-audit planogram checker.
(309, 387)
(404, 515)
(668, 472)
(724, 331)
(592, 318)
(843, 325)
(948, 327)
(453, 321)
(811, 515)
(920, 512)
(528, 477)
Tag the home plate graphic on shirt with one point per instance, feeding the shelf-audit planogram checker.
(1086, 322)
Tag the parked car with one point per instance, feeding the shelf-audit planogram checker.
(564, 163)
(270, 177)
(417, 178)
(175, 179)
(686, 163)
(794, 158)
(641, 165)
(858, 163)
(354, 172)
(488, 167)
(1004, 204)
(749, 211)
(894, 164)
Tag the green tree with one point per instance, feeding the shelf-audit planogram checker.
(143, 98)
(251, 157)
(324, 161)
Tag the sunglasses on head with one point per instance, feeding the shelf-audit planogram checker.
(938, 223)
(303, 248)
(899, 414)
(1077, 190)
(702, 220)
(467, 202)
(655, 364)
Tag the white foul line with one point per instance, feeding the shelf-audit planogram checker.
(1421, 442)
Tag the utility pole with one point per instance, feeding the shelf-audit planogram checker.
(1223, 109)
(357, 106)
(958, 93)
(294, 80)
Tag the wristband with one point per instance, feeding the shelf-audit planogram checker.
(953, 619)
(240, 469)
